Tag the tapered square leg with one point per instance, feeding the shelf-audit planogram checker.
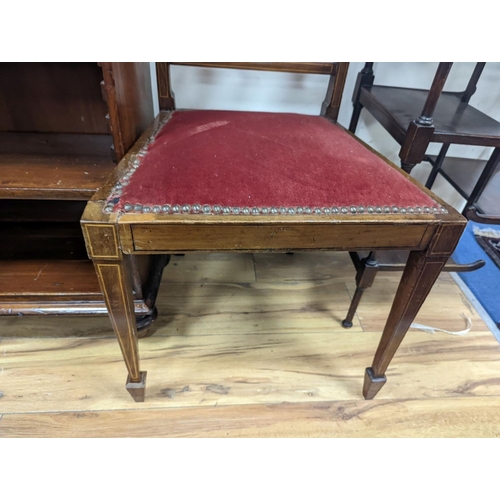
(137, 389)
(372, 384)
(421, 271)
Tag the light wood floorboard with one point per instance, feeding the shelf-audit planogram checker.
(456, 417)
(252, 346)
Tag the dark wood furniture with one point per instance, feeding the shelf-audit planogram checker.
(63, 126)
(415, 118)
(117, 229)
(368, 264)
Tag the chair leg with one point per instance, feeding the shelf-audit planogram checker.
(114, 278)
(421, 271)
(365, 277)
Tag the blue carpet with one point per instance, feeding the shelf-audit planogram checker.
(485, 282)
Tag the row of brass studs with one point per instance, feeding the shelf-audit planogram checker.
(222, 210)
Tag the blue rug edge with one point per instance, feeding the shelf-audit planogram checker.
(476, 305)
(481, 287)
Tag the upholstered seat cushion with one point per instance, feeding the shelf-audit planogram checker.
(244, 162)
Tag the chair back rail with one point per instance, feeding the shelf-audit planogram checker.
(329, 109)
(288, 67)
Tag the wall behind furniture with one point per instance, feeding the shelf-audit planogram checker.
(207, 88)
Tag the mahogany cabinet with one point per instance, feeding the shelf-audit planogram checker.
(63, 126)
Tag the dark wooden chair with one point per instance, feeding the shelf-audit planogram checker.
(233, 181)
(415, 118)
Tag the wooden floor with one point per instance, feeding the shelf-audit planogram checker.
(251, 345)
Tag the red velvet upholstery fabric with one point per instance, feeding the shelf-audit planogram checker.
(247, 159)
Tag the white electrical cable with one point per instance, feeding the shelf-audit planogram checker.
(431, 329)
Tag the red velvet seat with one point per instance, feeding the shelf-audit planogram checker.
(230, 162)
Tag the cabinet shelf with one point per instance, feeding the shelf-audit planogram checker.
(461, 173)
(63, 127)
(52, 286)
(53, 166)
(455, 122)
(20, 210)
(51, 240)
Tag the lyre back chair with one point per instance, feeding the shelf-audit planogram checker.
(236, 181)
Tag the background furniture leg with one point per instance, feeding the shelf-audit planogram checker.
(145, 323)
(436, 167)
(488, 171)
(365, 79)
(365, 277)
(356, 112)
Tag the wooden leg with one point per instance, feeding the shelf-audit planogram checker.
(407, 167)
(365, 79)
(149, 293)
(144, 324)
(437, 166)
(116, 286)
(422, 270)
(365, 277)
(488, 171)
(356, 112)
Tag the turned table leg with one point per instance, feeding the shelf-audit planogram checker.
(422, 270)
